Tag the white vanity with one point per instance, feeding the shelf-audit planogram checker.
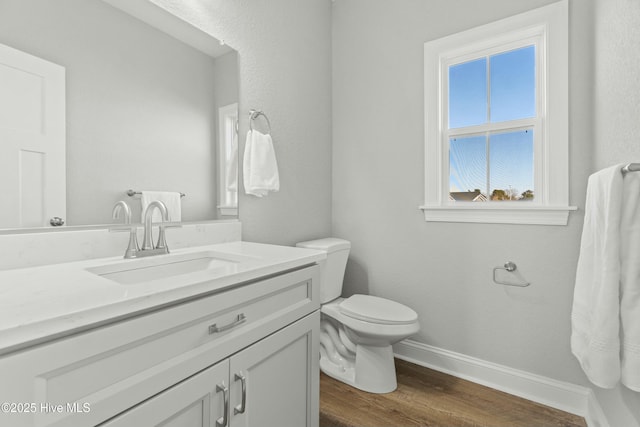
(216, 335)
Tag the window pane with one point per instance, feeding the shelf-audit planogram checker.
(468, 169)
(468, 93)
(511, 165)
(513, 83)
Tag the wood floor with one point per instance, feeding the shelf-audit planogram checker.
(430, 398)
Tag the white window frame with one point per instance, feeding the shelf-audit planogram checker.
(547, 28)
(227, 153)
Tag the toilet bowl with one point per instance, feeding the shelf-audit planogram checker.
(357, 333)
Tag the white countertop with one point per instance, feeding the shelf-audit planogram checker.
(42, 303)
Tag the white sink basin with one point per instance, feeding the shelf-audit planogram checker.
(143, 270)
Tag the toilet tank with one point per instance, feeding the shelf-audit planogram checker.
(333, 272)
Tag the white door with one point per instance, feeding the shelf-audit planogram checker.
(281, 379)
(32, 140)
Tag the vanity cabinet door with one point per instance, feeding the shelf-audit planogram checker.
(281, 378)
(198, 401)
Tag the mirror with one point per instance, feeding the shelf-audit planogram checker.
(144, 110)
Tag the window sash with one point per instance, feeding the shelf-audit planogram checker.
(487, 130)
(497, 48)
(473, 52)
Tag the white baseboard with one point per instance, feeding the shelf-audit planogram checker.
(567, 397)
(595, 416)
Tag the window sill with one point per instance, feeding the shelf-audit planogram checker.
(228, 210)
(534, 215)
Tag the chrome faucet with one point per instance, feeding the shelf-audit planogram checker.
(148, 248)
(132, 248)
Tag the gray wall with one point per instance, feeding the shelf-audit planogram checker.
(617, 129)
(444, 270)
(140, 105)
(617, 85)
(285, 70)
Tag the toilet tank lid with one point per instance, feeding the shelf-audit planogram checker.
(329, 244)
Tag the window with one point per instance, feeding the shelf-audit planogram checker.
(496, 121)
(492, 119)
(228, 160)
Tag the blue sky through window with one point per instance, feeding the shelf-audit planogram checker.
(511, 164)
(513, 82)
(468, 94)
(492, 89)
(468, 164)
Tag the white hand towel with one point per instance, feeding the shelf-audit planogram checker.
(607, 288)
(260, 167)
(169, 198)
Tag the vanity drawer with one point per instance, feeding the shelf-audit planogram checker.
(102, 372)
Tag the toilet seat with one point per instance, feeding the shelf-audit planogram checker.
(381, 311)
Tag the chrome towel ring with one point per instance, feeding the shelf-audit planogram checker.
(509, 266)
(254, 114)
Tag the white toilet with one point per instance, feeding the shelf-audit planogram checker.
(356, 333)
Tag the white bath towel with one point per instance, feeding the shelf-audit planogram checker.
(169, 198)
(607, 284)
(260, 168)
(630, 282)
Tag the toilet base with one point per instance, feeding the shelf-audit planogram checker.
(374, 370)
(360, 353)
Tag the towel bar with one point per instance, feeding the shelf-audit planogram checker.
(631, 167)
(132, 193)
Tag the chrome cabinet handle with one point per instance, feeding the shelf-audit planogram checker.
(239, 409)
(222, 422)
(240, 318)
